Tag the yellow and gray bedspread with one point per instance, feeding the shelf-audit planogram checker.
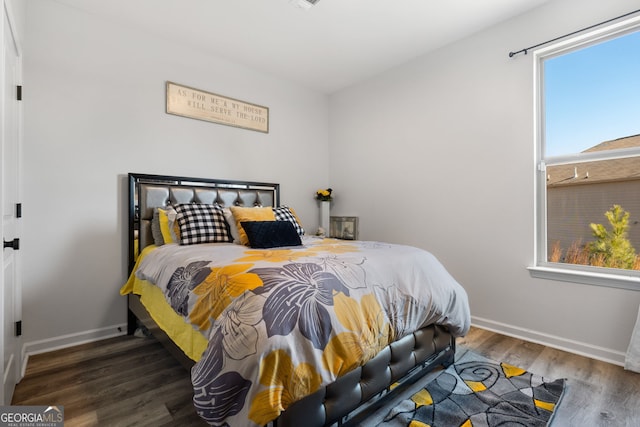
(268, 327)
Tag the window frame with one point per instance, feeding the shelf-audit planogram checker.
(610, 277)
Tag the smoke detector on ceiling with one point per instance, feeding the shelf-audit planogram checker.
(304, 4)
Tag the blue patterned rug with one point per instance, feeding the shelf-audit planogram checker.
(478, 392)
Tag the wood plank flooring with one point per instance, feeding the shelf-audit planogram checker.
(129, 381)
(123, 381)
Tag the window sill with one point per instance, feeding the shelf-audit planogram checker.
(597, 278)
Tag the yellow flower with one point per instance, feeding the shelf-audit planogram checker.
(324, 195)
(219, 289)
(369, 333)
(334, 246)
(285, 383)
(276, 255)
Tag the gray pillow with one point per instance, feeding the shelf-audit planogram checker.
(155, 229)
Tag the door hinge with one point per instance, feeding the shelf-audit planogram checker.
(13, 244)
(19, 93)
(18, 210)
(19, 328)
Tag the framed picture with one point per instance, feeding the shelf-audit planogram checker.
(198, 104)
(344, 227)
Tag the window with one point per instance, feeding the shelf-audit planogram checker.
(588, 158)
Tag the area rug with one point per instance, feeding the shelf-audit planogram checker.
(478, 392)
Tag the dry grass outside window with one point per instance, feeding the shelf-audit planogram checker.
(579, 254)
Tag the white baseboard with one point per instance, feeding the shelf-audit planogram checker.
(583, 349)
(64, 341)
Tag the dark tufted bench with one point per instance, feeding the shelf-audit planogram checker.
(368, 387)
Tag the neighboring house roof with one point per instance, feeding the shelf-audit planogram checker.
(599, 171)
(615, 144)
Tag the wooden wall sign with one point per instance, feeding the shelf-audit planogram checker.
(197, 104)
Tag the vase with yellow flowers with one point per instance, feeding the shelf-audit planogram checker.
(325, 197)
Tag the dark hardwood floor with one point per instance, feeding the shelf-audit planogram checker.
(129, 381)
(123, 381)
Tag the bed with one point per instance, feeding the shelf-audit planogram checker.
(277, 327)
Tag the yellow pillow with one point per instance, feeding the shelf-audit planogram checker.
(241, 214)
(169, 227)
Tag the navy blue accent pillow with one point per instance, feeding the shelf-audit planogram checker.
(271, 234)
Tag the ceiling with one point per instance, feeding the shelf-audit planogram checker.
(328, 47)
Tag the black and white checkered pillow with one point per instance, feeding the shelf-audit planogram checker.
(200, 223)
(284, 213)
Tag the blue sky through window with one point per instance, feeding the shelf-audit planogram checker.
(592, 95)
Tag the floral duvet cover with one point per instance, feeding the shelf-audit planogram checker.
(283, 322)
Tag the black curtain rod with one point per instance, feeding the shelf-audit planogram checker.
(525, 50)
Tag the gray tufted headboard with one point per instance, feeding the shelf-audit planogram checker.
(147, 192)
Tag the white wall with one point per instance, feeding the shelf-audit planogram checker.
(439, 153)
(95, 110)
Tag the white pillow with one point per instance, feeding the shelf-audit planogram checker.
(233, 227)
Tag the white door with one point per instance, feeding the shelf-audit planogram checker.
(10, 297)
